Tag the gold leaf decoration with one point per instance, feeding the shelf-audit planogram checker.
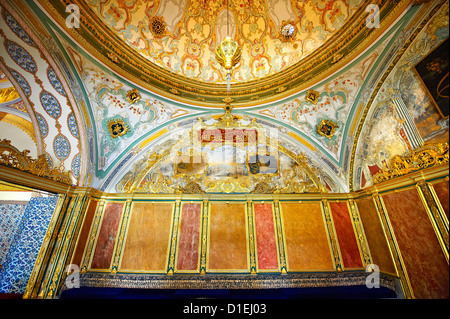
(133, 96)
(117, 127)
(312, 96)
(425, 156)
(326, 128)
(12, 157)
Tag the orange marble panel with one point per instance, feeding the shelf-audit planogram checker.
(441, 190)
(227, 237)
(351, 257)
(306, 238)
(376, 240)
(148, 236)
(422, 254)
(84, 233)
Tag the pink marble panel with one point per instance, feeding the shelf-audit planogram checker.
(107, 236)
(188, 244)
(265, 237)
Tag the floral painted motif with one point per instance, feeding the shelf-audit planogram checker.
(76, 165)
(50, 104)
(12, 215)
(193, 29)
(72, 123)
(22, 82)
(43, 126)
(53, 78)
(17, 29)
(61, 147)
(21, 56)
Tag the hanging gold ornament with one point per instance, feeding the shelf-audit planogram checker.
(228, 54)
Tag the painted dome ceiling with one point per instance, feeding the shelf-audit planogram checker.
(168, 46)
(181, 36)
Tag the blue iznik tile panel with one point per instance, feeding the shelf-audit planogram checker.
(26, 244)
(11, 216)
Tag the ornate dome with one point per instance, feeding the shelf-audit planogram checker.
(169, 46)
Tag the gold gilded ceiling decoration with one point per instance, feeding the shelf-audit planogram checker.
(426, 156)
(117, 127)
(8, 94)
(176, 53)
(133, 96)
(326, 128)
(12, 157)
(222, 156)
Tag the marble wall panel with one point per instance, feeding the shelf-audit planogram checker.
(188, 241)
(350, 254)
(148, 236)
(266, 246)
(84, 233)
(376, 239)
(306, 238)
(421, 252)
(106, 240)
(441, 190)
(227, 237)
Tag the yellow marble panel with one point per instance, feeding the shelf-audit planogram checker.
(148, 236)
(227, 237)
(306, 238)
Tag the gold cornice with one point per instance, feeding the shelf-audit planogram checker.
(13, 158)
(298, 77)
(431, 175)
(423, 157)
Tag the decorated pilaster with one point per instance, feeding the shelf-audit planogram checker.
(204, 237)
(174, 238)
(280, 237)
(331, 232)
(251, 236)
(121, 238)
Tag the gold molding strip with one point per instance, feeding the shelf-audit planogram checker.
(393, 246)
(251, 237)
(174, 237)
(204, 235)
(63, 245)
(281, 243)
(358, 229)
(331, 235)
(432, 209)
(93, 234)
(118, 249)
(55, 238)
